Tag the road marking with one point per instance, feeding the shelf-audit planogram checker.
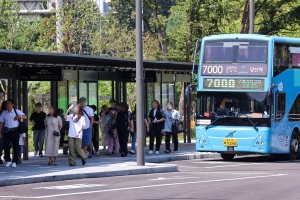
(145, 186)
(2, 172)
(67, 187)
(171, 178)
(228, 172)
(221, 166)
(20, 171)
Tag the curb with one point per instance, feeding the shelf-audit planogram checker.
(146, 170)
(183, 157)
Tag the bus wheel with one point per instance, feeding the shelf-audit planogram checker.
(294, 146)
(227, 157)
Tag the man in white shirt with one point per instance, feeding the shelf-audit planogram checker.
(10, 120)
(87, 129)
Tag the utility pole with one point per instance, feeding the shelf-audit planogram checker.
(139, 85)
(251, 17)
(59, 32)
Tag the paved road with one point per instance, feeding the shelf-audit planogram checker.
(258, 177)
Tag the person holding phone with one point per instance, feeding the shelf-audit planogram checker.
(77, 123)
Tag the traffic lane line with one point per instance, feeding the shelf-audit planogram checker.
(145, 186)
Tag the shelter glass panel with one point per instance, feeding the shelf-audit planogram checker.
(93, 93)
(62, 96)
(83, 89)
(73, 92)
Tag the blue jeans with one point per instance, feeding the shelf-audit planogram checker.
(20, 149)
(38, 140)
(133, 140)
(86, 136)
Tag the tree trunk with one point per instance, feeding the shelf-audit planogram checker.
(245, 17)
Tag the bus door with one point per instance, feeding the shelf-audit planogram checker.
(280, 137)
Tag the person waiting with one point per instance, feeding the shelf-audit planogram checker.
(171, 116)
(156, 118)
(53, 124)
(75, 133)
(10, 120)
(37, 119)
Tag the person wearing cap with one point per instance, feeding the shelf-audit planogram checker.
(37, 119)
(87, 129)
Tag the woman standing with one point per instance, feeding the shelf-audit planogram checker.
(77, 122)
(103, 119)
(53, 124)
(156, 118)
(171, 116)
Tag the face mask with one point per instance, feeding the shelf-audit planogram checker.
(169, 107)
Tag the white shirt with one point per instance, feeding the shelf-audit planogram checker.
(154, 114)
(21, 141)
(90, 113)
(8, 118)
(75, 127)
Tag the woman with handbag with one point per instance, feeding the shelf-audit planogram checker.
(53, 124)
(157, 124)
(171, 116)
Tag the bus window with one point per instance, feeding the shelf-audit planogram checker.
(280, 106)
(294, 114)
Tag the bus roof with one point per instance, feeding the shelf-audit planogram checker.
(254, 36)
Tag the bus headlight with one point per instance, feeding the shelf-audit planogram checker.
(200, 141)
(260, 136)
(204, 141)
(257, 142)
(262, 143)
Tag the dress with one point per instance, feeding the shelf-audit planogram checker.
(52, 142)
(105, 136)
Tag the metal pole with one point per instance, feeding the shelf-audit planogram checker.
(53, 88)
(118, 91)
(139, 85)
(112, 89)
(25, 110)
(100, 32)
(251, 17)
(19, 95)
(124, 91)
(184, 119)
(59, 32)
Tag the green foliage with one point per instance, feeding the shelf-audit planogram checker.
(31, 104)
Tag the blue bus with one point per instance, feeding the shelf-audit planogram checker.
(248, 95)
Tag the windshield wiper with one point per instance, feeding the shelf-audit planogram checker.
(206, 127)
(252, 123)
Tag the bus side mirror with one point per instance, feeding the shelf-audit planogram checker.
(188, 93)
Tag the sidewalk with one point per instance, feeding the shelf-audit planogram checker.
(36, 169)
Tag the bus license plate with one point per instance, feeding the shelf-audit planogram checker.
(230, 142)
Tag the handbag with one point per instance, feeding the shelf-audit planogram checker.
(177, 127)
(56, 133)
(22, 128)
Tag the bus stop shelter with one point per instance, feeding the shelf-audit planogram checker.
(66, 71)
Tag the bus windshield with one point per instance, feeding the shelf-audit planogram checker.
(235, 51)
(234, 108)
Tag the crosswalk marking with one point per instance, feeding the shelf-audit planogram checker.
(67, 187)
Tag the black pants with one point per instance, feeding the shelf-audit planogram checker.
(95, 139)
(157, 134)
(11, 137)
(168, 137)
(123, 140)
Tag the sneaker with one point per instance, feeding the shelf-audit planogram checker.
(132, 151)
(156, 152)
(88, 155)
(150, 152)
(123, 154)
(8, 164)
(97, 153)
(35, 153)
(41, 155)
(14, 165)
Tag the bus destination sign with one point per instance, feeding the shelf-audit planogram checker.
(40, 74)
(233, 84)
(238, 69)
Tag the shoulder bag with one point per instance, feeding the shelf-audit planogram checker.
(22, 128)
(177, 127)
(55, 133)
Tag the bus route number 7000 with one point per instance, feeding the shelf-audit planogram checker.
(213, 69)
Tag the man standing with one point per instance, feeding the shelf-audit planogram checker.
(37, 120)
(10, 120)
(87, 129)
